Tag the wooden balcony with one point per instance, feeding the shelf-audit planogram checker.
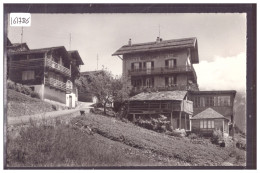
(58, 67)
(176, 87)
(55, 84)
(37, 63)
(162, 71)
(26, 64)
(157, 107)
(153, 107)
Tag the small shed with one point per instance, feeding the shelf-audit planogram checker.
(209, 120)
(172, 104)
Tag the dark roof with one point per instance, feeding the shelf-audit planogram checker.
(75, 54)
(209, 113)
(15, 45)
(42, 50)
(163, 45)
(8, 42)
(233, 92)
(162, 95)
(86, 73)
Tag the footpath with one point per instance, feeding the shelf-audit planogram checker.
(47, 115)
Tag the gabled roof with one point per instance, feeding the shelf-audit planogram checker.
(162, 45)
(96, 72)
(15, 45)
(209, 113)
(75, 54)
(42, 50)
(162, 95)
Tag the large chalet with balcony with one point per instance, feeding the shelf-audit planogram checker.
(51, 72)
(162, 80)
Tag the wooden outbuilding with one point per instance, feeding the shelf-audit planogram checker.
(173, 104)
(209, 120)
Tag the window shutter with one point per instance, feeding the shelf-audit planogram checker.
(175, 62)
(175, 79)
(144, 64)
(132, 66)
(166, 63)
(152, 64)
(144, 83)
(140, 65)
(166, 81)
(152, 81)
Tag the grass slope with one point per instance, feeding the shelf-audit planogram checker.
(19, 104)
(182, 149)
(114, 143)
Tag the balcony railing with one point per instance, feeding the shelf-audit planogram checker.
(191, 87)
(38, 62)
(58, 67)
(26, 64)
(55, 83)
(162, 70)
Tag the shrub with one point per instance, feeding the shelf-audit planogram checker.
(35, 95)
(216, 136)
(193, 136)
(10, 84)
(26, 90)
(18, 87)
(54, 107)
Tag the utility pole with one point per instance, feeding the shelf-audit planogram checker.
(22, 35)
(159, 31)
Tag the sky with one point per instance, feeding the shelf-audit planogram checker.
(221, 40)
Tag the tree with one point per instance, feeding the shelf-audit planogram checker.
(104, 86)
(101, 86)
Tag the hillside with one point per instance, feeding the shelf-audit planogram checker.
(113, 143)
(19, 104)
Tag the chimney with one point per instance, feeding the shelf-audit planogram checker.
(130, 42)
(157, 39)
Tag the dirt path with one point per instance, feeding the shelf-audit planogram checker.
(73, 112)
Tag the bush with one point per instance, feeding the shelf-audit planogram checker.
(26, 90)
(10, 84)
(35, 95)
(217, 136)
(193, 136)
(18, 87)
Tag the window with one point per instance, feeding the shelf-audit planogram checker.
(207, 101)
(136, 66)
(170, 63)
(224, 101)
(207, 124)
(149, 65)
(28, 75)
(196, 102)
(136, 82)
(171, 81)
(149, 82)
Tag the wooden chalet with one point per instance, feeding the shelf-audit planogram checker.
(162, 72)
(173, 104)
(161, 65)
(51, 72)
